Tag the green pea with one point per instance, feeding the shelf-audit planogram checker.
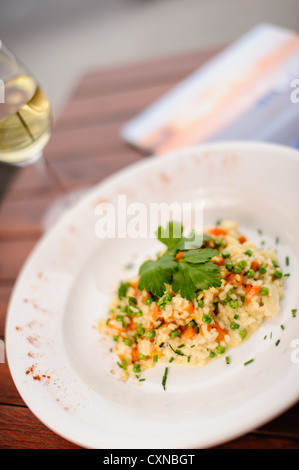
(150, 334)
(218, 241)
(237, 269)
(262, 269)
(229, 266)
(149, 300)
(234, 325)
(141, 330)
(250, 274)
(225, 254)
(233, 304)
(212, 354)
(242, 263)
(264, 291)
(220, 349)
(200, 302)
(242, 333)
(207, 319)
(278, 274)
(248, 253)
(128, 342)
(174, 333)
(191, 324)
(142, 356)
(136, 368)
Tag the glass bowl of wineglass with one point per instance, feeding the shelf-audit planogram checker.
(25, 113)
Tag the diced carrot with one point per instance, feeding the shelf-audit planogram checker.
(121, 356)
(156, 312)
(190, 307)
(135, 354)
(218, 231)
(242, 239)
(154, 352)
(255, 265)
(189, 333)
(134, 284)
(235, 279)
(113, 316)
(251, 292)
(219, 261)
(221, 331)
(179, 255)
(133, 325)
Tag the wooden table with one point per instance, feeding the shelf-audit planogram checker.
(85, 148)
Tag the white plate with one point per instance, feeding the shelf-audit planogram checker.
(60, 364)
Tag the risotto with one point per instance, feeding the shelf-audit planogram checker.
(193, 302)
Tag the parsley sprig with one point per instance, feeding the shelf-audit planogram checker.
(187, 274)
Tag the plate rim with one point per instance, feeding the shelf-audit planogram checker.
(84, 200)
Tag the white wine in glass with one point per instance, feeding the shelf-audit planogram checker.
(25, 114)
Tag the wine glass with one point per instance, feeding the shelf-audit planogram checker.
(25, 114)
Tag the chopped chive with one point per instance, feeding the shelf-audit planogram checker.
(282, 327)
(165, 378)
(124, 363)
(271, 335)
(197, 329)
(137, 368)
(188, 358)
(248, 362)
(287, 261)
(227, 360)
(277, 240)
(287, 275)
(161, 345)
(171, 359)
(159, 326)
(193, 346)
(265, 336)
(259, 231)
(141, 380)
(294, 311)
(155, 358)
(181, 346)
(277, 342)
